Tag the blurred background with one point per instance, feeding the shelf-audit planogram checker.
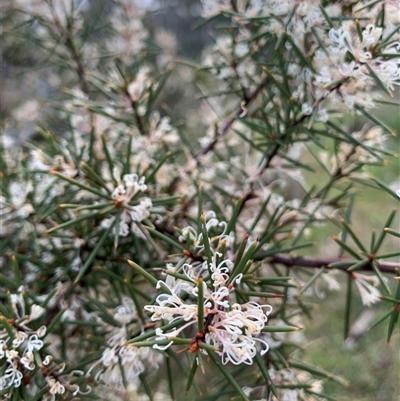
(30, 87)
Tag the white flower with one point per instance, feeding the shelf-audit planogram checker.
(339, 36)
(47, 360)
(178, 286)
(79, 391)
(109, 357)
(288, 395)
(12, 377)
(133, 361)
(3, 348)
(330, 279)
(28, 361)
(220, 273)
(306, 109)
(55, 386)
(126, 312)
(231, 327)
(323, 115)
(34, 343)
(11, 355)
(19, 339)
(161, 129)
(241, 49)
(137, 89)
(369, 293)
(170, 306)
(141, 211)
(18, 304)
(347, 69)
(36, 312)
(233, 332)
(371, 36)
(188, 233)
(123, 193)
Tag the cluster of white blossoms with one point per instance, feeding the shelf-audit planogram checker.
(130, 33)
(138, 88)
(17, 352)
(22, 353)
(46, 185)
(349, 58)
(123, 360)
(55, 10)
(123, 194)
(345, 58)
(15, 207)
(232, 328)
(356, 77)
(145, 148)
(228, 61)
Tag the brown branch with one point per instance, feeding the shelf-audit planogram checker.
(228, 123)
(294, 124)
(301, 261)
(139, 120)
(234, 6)
(274, 151)
(79, 68)
(67, 36)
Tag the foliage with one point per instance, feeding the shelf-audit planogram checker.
(136, 245)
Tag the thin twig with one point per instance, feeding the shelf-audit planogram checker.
(80, 69)
(228, 123)
(137, 116)
(301, 261)
(295, 123)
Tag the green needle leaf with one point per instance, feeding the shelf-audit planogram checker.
(191, 375)
(280, 329)
(358, 265)
(391, 232)
(346, 248)
(82, 186)
(382, 281)
(354, 236)
(394, 316)
(383, 233)
(319, 372)
(17, 271)
(347, 308)
(310, 282)
(235, 214)
(93, 254)
(200, 305)
(266, 376)
(213, 356)
(73, 222)
(144, 273)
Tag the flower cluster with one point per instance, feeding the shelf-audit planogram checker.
(23, 355)
(123, 193)
(231, 327)
(129, 32)
(124, 162)
(121, 362)
(18, 355)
